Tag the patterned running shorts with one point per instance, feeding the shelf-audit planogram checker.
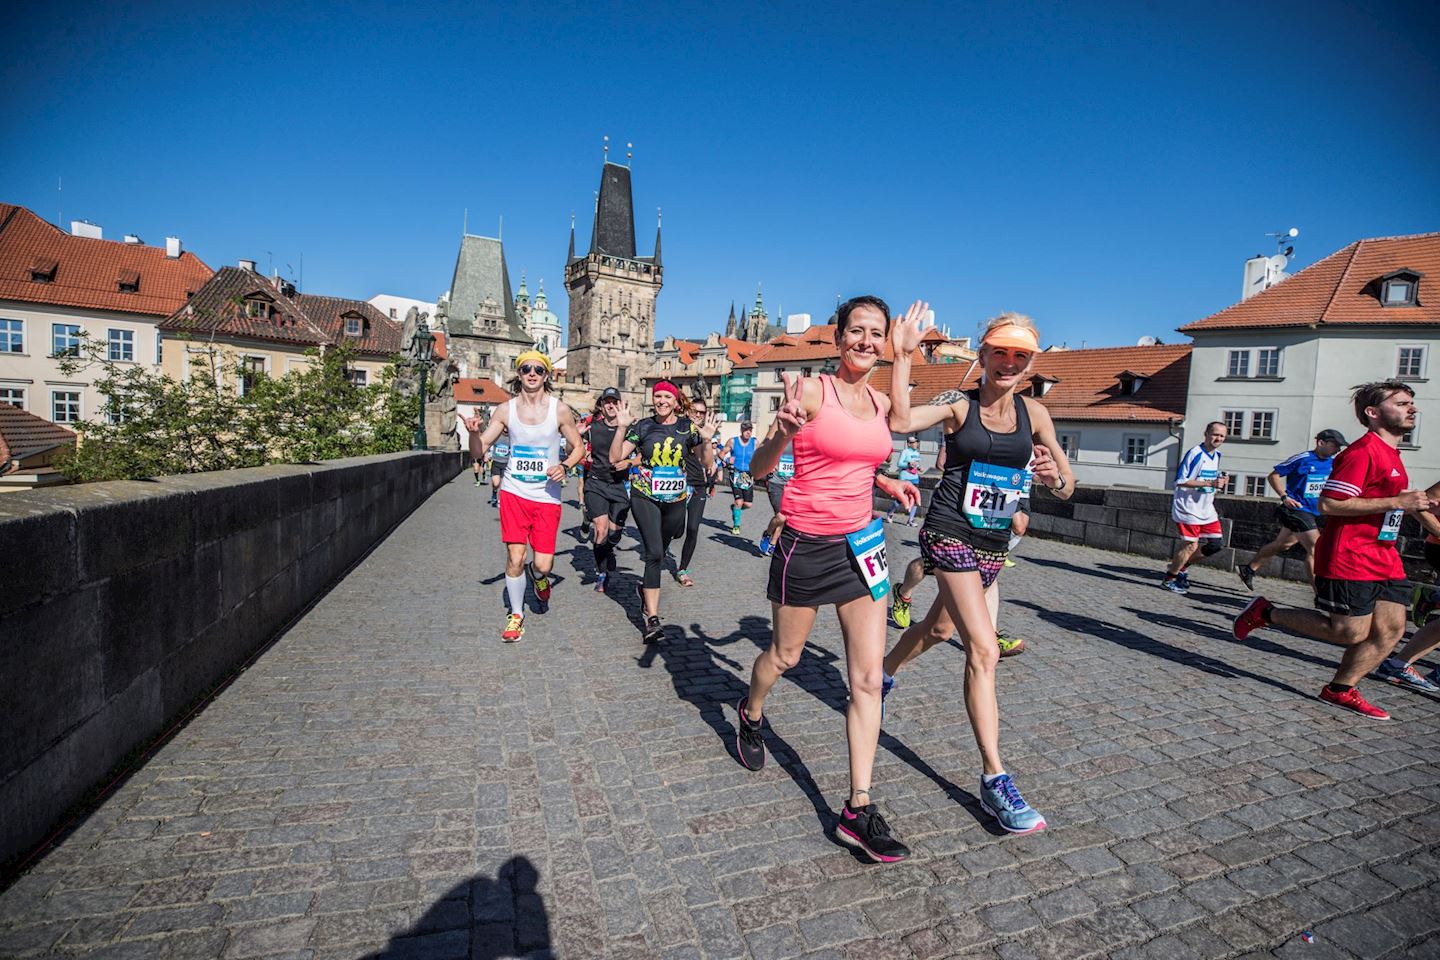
(953, 555)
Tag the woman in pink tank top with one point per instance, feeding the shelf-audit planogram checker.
(832, 551)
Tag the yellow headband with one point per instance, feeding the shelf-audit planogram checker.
(536, 356)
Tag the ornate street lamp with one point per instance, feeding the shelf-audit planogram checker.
(423, 352)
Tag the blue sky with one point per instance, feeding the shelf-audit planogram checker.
(1105, 168)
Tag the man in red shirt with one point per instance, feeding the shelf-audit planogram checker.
(1359, 579)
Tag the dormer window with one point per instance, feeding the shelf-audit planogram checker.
(42, 270)
(1400, 289)
(258, 306)
(129, 281)
(1041, 384)
(353, 326)
(1131, 382)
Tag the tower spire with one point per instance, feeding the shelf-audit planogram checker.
(657, 237)
(571, 255)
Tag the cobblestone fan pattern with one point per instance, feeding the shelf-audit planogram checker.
(390, 780)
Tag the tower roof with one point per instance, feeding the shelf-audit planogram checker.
(615, 214)
(480, 276)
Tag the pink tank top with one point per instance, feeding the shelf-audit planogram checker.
(836, 455)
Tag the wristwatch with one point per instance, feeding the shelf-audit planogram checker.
(1062, 484)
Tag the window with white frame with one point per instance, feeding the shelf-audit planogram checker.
(1239, 365)
(159, 346)
(1135, 449)
(1070, 443)
(12, 336)
(260, 309)
(1411, 437)
(65, 340)
(15, 395)
(1262, 425)
(1234, 421)
(774, 404)
(1267, 362)
(357, 377)
(1256, 486)
(352, 326)
(1410, 362)
(122, 344)
(1253, 362)
(779, 374)
(65, 406)
(251, 370)
(115, 412)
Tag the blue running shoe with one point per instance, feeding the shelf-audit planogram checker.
(1002, 800)
(1173, 584)
(887, 683)
(1405, 676)
(1184, 577)
(765, 548)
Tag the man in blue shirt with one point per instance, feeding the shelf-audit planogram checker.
(1298, 482)
(738, 453)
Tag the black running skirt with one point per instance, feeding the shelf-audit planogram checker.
(810, 570)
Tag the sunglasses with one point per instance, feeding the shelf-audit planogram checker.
(531, 368)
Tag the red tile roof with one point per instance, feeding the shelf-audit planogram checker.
(1341, 290)
(88, 272)
(689, 350)
(1086, 382)
(380, 336)
(471, 390)
(26, 434)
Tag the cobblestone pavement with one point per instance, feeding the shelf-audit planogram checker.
(389, 779)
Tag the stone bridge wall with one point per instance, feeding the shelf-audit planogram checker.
(123, 603)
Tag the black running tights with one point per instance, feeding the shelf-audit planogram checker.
(694, 513)
(659, 523)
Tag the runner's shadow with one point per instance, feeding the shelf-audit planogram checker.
(739, 543)
(1107, 576)
(817, 674)
(480, 919)
(697, 672)
(1253, 642)
(1130, 639)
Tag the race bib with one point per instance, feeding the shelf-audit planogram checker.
(529, 464)
(740, 480)
(1210, 476)
(1390, 526)
(500, 451)
(785, 469)
(667, 484)
(867, 546)
(992, 495)
(1313, 486)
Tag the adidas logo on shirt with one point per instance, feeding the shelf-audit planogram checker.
(1394, 472)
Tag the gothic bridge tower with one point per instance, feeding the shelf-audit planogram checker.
(612, 298)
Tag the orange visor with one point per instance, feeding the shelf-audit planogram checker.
(1016, 338)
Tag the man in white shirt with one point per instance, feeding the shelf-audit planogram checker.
(1196, 481)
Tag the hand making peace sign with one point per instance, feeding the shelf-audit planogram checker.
(907, 330)
(791, 416)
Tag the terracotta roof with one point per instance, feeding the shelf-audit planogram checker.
(473, 390)
(1086, 383)
(380, 336)
(689, 350)
(26, 434)
(1341, 290)
(86, 272)
(737, 349)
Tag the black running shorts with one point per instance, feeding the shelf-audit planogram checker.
(811, 570)
(606, 500)
(1357, 598)
(1296, 520)
(774, 489)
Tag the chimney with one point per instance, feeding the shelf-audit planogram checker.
(132, 239)
(84, 228)
(247, 265)
(172, 248)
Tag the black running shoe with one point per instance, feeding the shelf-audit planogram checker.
(1247, 575)
(749, 741)
(867, 831)
(654, 630)
(585, 529)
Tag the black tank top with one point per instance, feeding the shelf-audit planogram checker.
(974, 442)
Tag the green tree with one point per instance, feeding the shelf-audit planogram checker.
(152, 426)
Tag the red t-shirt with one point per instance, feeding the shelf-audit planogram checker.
(1351, 548)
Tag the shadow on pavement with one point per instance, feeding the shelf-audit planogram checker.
(1253, 643)
(480, 919)
(1140, 643)
(1108, 573)
(699, 678)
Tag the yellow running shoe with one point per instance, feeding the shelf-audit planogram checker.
(900, 611)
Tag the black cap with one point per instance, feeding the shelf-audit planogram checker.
(1334, 436)
(609, 393)
(747, 425)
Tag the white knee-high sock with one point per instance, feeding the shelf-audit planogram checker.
(515, 591)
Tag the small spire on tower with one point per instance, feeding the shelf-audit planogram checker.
(656, 258)
(571, 255)
(606, 148)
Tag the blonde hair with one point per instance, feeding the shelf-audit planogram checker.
(1010, 319)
